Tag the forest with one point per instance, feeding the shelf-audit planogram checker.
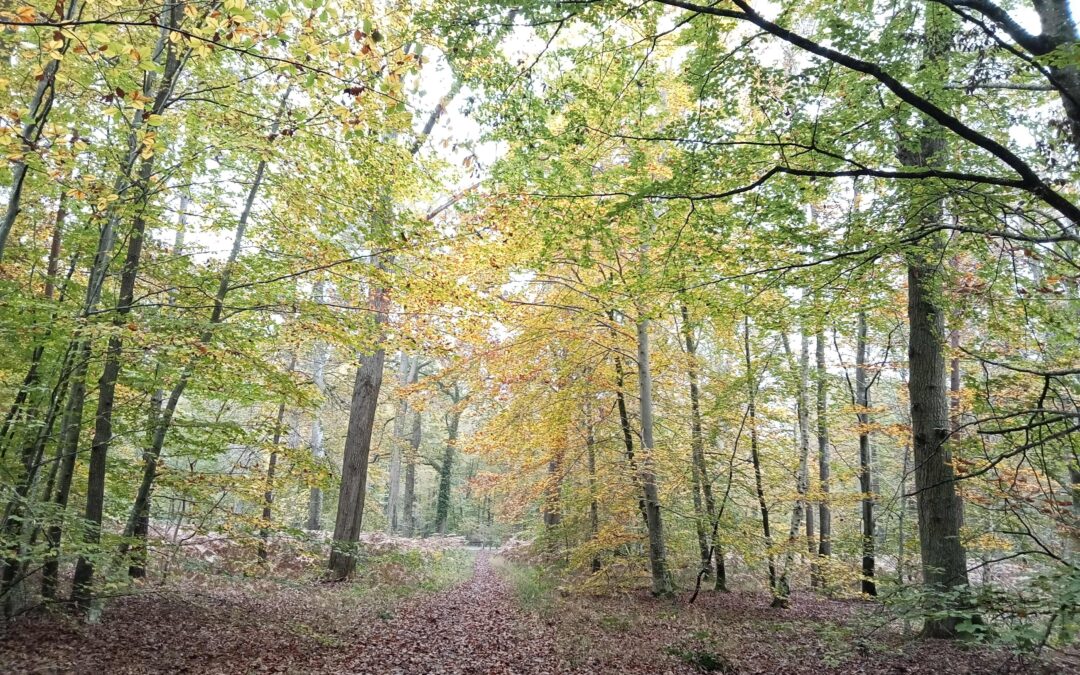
(540, 336)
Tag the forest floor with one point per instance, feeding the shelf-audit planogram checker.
(475, 620)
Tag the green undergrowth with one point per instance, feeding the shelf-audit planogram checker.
(397, 574)
(533, 586)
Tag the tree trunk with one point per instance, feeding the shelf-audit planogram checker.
(944, 561)
(782, 589)
(1059, 30)
(14, 525)
(627, 431)
(755, 457)
(365, 401)
(862, 406)
(824, 512)
(99, 447)
(406, 368)
(72, 423)
(33, 125)
(137, 526)
(594, 508)
(446, 469)
(271, 470)
(704, 502)
(318, 451)
(661, 578)
(409, 498)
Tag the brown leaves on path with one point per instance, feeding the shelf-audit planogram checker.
(473, 628)
(477, 627)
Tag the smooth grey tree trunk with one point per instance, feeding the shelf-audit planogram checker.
(319, 357)
(661, 577)
(408, 525)
(406, 374)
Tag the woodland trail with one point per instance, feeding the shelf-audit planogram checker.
(475, 627)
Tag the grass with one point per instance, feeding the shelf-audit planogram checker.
(533, 586)
(398, 574)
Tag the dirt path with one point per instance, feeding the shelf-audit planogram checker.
(475, 627)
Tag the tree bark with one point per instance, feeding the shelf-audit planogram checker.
(1059, 30)
(406, 368)
(704, 502)
(138, 517)
(824, 512)
(594, 508)
(354, 469)
(409, 497)
(446, 468)
(782, 589)
(661, 577)
(99, 447)
(318, 451)
(862, 406)
(755, 456)
(627, 432)
(944, 561)
(271, 470)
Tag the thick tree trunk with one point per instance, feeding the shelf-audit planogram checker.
(446, 471)
(1059, 30)
(862, 406)
(661, 578)
(354, 469)
(944, 561)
